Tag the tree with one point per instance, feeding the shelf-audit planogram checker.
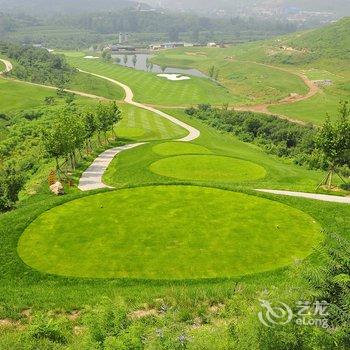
(116, 117)
(11, 183)
(211, 71)
(90, 128)
(107, 115)
(106, 55)
(134, 60)
(216, 75)
(163, 68)
(148, 63)
(333, 141)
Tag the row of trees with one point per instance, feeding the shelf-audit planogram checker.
(73, 131)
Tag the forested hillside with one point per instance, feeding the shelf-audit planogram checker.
(44, 7)
(37, 65)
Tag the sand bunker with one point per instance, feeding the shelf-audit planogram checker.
(173, 77)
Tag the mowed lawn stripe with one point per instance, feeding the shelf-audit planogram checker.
(149, 88)
(136, 233)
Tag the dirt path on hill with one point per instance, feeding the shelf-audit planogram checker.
(263, 108)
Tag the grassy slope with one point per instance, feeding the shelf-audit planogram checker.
(327, 58)
(71, 293)
(96, 86)
(252, 83)
(149, 88)
(141, 125)
(134, 165)
(22, 287)
(17, 96)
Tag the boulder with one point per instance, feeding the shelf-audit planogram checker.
(57, 188)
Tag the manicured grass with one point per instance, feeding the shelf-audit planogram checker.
(134, 166)
(196, 233)
(149, 88)
(251, 82)
(16, 96)
(142, 125)
(175, 148)
(315, 109)
(208, 168)
(96, 86)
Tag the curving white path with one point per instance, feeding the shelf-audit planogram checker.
(129, 98)
(92, 176)
(315, 196)
(91, 179)
(8, 66)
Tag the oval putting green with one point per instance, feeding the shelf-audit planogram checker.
(208, 168)
(174, 148)
(167, 232)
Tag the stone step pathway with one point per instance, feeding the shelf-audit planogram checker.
(315, 196)
(92, 176)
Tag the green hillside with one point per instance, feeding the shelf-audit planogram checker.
(331, 41)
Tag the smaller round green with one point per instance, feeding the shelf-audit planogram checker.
(208, 168)
(177, 148)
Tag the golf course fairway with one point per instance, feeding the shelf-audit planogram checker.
(208, 168)
(167, 232)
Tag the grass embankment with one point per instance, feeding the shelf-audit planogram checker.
(142, 125)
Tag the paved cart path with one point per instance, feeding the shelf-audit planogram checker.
(91, 179)
(315, 196)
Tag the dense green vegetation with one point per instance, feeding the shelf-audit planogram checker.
(82, 28)
(331, 41)
(37, 65)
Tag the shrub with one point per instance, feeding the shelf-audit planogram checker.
(345, 186)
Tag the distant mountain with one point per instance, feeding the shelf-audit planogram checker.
(340, 7)
(47, 7)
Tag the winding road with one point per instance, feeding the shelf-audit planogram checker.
(91, 179)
